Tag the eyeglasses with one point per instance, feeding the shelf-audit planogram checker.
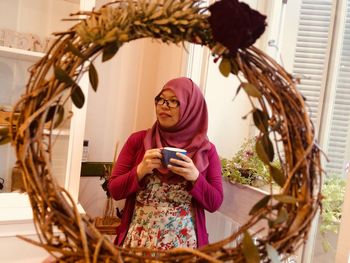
(172, 103)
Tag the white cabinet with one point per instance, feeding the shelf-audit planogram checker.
(39, 17)
(27, 24)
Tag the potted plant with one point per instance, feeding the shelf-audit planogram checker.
(247, 174)
(247, 168)
(246, 181)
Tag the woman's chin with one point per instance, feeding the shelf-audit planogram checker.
(166, 126)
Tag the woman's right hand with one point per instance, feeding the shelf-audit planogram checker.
(151, 160)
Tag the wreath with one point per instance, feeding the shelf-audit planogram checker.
(228, 28)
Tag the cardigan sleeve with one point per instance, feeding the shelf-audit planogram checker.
(124, 181)
(207, 190)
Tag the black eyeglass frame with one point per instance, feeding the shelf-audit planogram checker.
(158, 99)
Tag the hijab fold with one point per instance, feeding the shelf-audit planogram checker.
(190, 132)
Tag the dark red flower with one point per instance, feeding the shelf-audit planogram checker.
(235, 25)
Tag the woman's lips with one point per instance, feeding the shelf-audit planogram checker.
(164, 115)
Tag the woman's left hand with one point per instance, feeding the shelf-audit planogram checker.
(185, 168)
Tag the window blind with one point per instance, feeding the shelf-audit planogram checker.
(311, 56)
(339, 138)
(311, 49)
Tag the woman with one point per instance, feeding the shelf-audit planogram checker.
(165, 206)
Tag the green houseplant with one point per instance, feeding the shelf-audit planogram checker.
(246, 167)
(333, 191)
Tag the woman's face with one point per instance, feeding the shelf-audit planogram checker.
(167, 116)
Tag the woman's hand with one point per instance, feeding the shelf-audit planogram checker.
(151, 160)
(186, 167)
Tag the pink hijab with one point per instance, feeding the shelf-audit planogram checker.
(190, 132)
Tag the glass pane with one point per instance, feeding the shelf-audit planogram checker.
(337, 144)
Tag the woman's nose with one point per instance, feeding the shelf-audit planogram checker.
(165, 105)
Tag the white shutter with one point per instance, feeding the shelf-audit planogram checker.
(310, 63)
(311, 51)
(338, 141)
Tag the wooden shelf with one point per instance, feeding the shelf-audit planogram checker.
(61, 132)
(20, 54)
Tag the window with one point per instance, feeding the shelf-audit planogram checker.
(316, 47)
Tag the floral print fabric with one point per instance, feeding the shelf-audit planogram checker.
(162, 217)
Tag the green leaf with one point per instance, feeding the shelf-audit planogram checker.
(261, 120)
(109, 51)
(277, 176)
(225, 67)
(93, 77)
(74, 50)
(251, 90)
(250, 251)
(260, 204)
(63, 76)
(264, 149)
(77, 96)
(285, 198)
(273, 254)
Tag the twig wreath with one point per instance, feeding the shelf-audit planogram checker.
(228, 28)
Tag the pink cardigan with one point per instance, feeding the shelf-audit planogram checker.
(206, 193)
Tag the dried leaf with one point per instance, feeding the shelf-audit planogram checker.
(260, 204)
(109, 51)
(63, 76)
(93, 77)
(5, 140)
(225, 67)
(4, 135)
(234, 67)
(74, 50)
(264, 149)
(273, 254)
(162, 21)
(285, 199)
(51, 113)
(78, 97)
(156, 14)
(281, 217)
(277, 176)
(250, 251)
(59, 116)
(4, 131)
(261, 120)
(251, 90)
(237, 91)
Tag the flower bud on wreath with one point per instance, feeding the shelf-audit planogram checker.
(235, 25)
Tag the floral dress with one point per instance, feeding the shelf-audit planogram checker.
(163, 217)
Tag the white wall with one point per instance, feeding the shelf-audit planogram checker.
(45, 16)
(124, 103)
(227, 129)
(124, 99)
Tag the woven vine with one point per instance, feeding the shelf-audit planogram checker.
(285, 133)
